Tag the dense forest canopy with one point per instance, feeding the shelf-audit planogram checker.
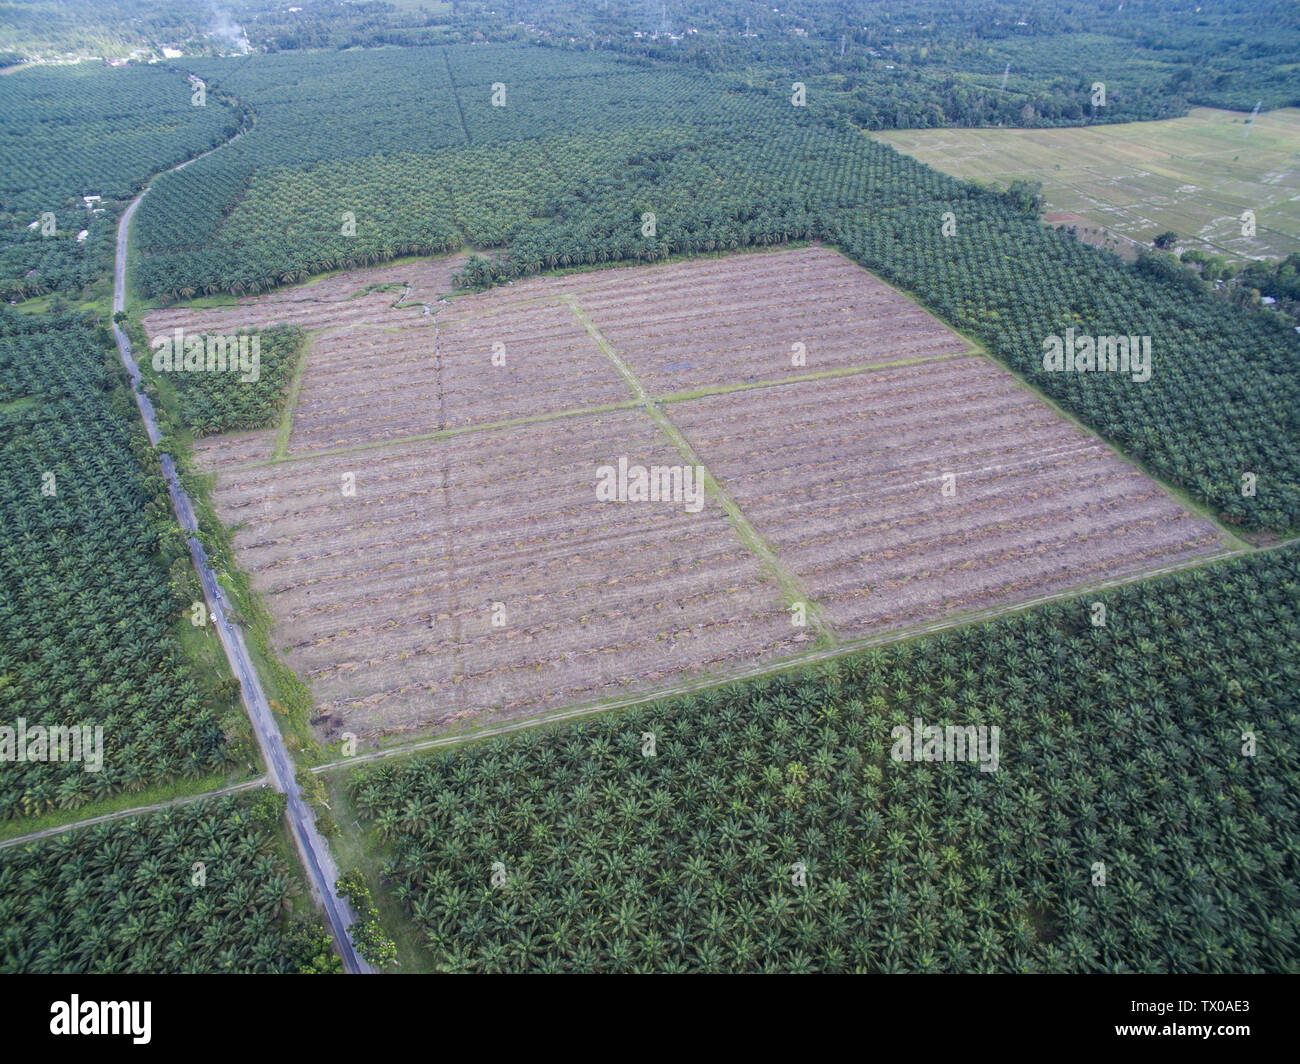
(56, 179)
(95, 576)
(203, 888)
(886, 65)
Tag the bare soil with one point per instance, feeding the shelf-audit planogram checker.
(473, 484)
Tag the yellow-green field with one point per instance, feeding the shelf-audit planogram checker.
(1195, 175)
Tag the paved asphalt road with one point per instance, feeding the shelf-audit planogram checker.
(315, 853)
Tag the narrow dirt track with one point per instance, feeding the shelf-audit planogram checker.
(139, 810)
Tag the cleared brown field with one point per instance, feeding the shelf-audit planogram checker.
(845, 479)
(473, 576)
(385, 600)
(705, 323)
(438, 373)
(345, 314)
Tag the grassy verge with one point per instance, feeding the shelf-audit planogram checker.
(285, 427)
(358, 846)
(211, 671)
(289, 698)
(301, 904)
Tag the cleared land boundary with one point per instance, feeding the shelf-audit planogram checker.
(822, 477)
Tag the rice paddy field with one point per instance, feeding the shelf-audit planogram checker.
(1195, 175)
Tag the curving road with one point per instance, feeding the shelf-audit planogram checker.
(316, 857)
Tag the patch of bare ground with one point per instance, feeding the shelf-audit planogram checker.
(711, 322)
(446, 371)
(327, 300)
(235, 448)
(845, 478)
(477, 577)
(470, 577)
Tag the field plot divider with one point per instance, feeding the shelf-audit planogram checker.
(708, 390)
(280, 453)
(439, 434)
(448, 522)
(792, 588)
(281, 449)
(139, 810)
